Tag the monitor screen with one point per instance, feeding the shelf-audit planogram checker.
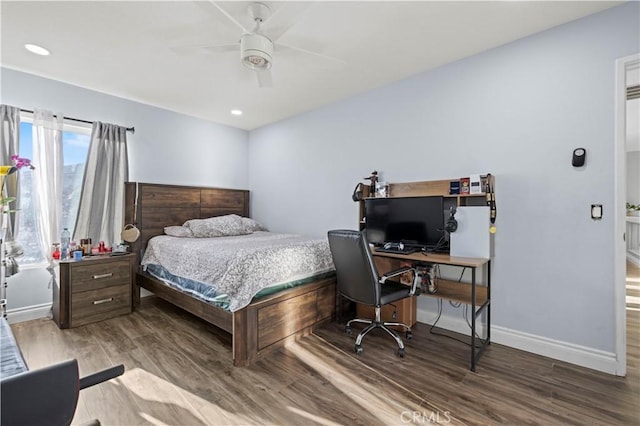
(414, 221)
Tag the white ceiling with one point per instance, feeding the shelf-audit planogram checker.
(127, 49)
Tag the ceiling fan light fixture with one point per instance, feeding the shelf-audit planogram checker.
(256, 51)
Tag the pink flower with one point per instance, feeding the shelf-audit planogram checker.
(20, 162)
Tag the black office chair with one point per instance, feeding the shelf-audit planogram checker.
(359, 281)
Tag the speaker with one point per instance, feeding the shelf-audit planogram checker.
(357, 193)
(452, 224)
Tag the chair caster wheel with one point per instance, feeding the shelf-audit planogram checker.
(358, 349)
(408, 335)
(401, 352)
(347, 330)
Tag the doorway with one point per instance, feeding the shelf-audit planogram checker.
(626, 69)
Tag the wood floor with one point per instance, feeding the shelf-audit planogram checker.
(179, 372)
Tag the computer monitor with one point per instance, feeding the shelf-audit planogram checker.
(414, 221)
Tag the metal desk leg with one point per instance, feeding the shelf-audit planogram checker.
(489, 299)
(473, 319)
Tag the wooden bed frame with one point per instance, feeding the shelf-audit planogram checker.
(263, 326)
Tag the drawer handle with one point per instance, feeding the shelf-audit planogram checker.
(97, 277)
(98, 302)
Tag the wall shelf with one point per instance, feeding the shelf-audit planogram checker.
(429, 188)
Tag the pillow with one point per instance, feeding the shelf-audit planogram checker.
(220, 226)
(252, 225)
(178, 231)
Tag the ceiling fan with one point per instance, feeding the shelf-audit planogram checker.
(257, 46)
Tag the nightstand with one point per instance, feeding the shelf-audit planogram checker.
(93, 289)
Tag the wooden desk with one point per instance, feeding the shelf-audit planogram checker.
(477, 296)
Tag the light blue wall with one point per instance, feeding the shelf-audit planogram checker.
(166, 147)
(518, 112)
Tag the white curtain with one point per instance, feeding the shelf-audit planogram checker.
(9, 140)
(101, 210)
(47, 181)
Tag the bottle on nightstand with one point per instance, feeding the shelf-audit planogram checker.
(65, 238)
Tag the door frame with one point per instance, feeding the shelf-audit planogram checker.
(620, 195)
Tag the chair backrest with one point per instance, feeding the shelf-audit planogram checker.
(47, 396)
(356, 272)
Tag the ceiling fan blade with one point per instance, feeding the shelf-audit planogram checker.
(285, 17)
(222, 48)
(229, 17)
(205, 48)
(264, 79)
(329, 59)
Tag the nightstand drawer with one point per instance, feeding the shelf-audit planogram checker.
(97, 305)
(93, 276)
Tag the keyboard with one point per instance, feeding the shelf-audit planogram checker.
(406, 250)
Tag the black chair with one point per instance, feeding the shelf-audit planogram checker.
(359, 281)
(49, 395)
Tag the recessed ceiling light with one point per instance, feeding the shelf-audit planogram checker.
(38, 50)
(236, 112)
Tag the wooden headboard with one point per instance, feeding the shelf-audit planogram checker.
(152, 206)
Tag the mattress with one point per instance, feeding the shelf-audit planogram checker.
(231, 271)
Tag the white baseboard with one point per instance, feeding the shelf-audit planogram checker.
(28, 313)
(559, 350)
(562, 351)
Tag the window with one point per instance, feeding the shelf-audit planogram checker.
(75, 146)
